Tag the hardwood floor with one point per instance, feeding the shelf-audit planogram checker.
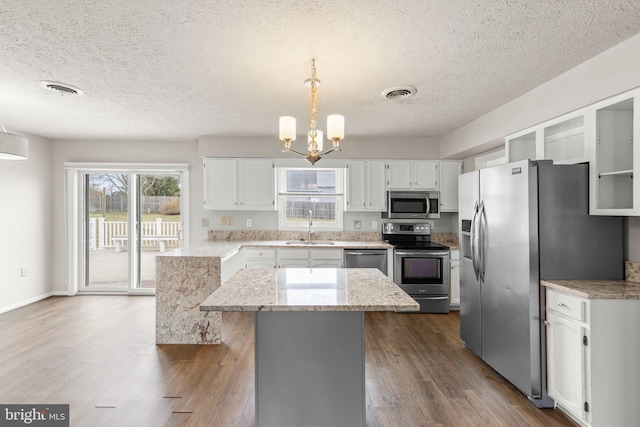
(98, 354)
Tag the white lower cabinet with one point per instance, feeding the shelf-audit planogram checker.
(293, 258)
(260, 258)
(593, 358)
(455, 278)
(309, 258)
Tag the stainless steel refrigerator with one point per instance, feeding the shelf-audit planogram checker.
(521, 223)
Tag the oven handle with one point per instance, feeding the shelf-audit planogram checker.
(423, 253)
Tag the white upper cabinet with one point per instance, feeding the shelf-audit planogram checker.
(366, 185)
(220, 184)
(239, 184)
(412, 175)
(522, 145)
(615, 153)
(256, 182)
(563, 140)
(449, 172)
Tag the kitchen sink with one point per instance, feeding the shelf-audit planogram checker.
(309, 242)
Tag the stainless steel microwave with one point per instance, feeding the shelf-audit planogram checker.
(413, 204)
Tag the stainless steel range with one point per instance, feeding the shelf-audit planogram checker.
(421, 267)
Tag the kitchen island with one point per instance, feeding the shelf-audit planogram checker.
(309, 339)
(186, 276)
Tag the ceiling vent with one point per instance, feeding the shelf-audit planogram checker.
(60, 87)
(399, 92)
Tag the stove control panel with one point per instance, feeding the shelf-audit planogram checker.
(422, 228)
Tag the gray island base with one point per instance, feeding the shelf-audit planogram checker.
(309, 339)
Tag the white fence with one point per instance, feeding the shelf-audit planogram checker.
(102, 233)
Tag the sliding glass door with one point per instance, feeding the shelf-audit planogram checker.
(128, 218)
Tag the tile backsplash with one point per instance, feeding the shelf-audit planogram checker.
(243, 235)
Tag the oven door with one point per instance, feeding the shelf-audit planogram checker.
(422, 272)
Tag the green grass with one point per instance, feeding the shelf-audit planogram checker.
(122, 216)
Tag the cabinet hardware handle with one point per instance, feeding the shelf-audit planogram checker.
(546, 323)
(561, 304)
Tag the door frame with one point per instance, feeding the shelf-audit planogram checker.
(74, 211)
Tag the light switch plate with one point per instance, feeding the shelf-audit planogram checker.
(374, 225)
(230, 220)
(205, 222)
(357, 224)
(223, 220)
(249, 223)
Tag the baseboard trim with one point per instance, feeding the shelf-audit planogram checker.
(25, 302)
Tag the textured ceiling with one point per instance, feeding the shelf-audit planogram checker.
(175, 70)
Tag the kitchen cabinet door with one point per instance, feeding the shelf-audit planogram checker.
(412, 175)
(399, 175)
(356, 184)
(425, 175)
(565, 363)
(375, 178)
(366, 185)
(256, 184)
(239, 184)
(220, 184)
(449, 172)
(259, 257)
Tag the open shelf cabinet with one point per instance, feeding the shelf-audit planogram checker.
(615, 155)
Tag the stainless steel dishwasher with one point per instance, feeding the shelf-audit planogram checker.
(366, 258)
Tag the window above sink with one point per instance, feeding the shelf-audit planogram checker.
(319, 190)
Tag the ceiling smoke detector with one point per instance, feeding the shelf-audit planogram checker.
(399, 92)
(61, 87)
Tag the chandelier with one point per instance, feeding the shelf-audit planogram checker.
(335, 126)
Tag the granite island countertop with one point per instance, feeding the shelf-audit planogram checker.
(304, 289)
(596, 289)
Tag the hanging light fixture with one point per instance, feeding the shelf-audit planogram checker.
(335, 126)
(12, 147)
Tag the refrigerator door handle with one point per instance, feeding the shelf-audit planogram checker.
(481, 236)
(472, 241)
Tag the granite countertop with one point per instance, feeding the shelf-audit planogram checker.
(596, 289)
(303, 289)
(224, 249)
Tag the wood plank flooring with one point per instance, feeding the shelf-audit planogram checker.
(98, 354)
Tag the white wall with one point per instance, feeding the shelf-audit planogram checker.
(124, 152)
(613, 71)
(352, 148)
(25, 225)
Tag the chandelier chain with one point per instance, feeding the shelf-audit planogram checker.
(314, 107)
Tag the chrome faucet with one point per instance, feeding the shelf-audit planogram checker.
(310, 224)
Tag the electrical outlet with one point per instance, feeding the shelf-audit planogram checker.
(205, 222)
(23, 271)
(249, 223)
(229, 220)
(223, 220)
(374, 225)
(357, 224)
